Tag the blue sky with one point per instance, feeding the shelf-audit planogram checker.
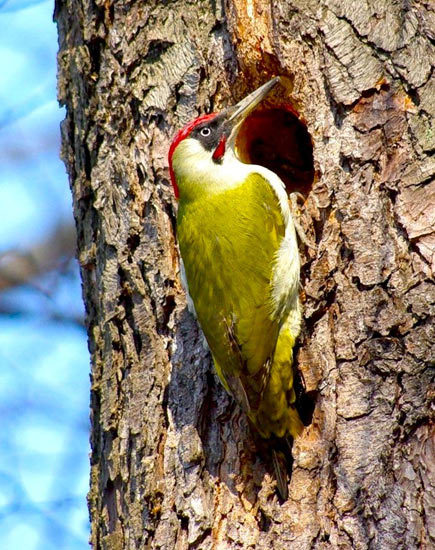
(44, 361)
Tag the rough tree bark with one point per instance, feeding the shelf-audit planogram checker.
(173, 462)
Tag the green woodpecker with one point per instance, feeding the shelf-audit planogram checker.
(240, 265)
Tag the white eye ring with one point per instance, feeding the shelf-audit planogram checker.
(205, 132)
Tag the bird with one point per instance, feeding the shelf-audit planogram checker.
(240, 267)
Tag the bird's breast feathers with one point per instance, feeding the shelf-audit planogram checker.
(237, 226)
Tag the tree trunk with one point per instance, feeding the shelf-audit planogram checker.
(174, 464)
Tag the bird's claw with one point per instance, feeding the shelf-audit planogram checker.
(294, 197)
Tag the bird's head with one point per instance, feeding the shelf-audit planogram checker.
(207, 141)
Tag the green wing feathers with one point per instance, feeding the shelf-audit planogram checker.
(277, 414)
(229, 243)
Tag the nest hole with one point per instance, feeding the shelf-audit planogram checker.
(277, 139)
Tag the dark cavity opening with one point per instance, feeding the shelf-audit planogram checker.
(277, 139)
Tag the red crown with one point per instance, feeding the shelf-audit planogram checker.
(179, 136)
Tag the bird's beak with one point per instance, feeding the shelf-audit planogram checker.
(237, 114)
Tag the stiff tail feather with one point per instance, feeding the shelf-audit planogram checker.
(282, 464)
(280, 474)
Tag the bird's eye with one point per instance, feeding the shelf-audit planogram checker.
(205, 132)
